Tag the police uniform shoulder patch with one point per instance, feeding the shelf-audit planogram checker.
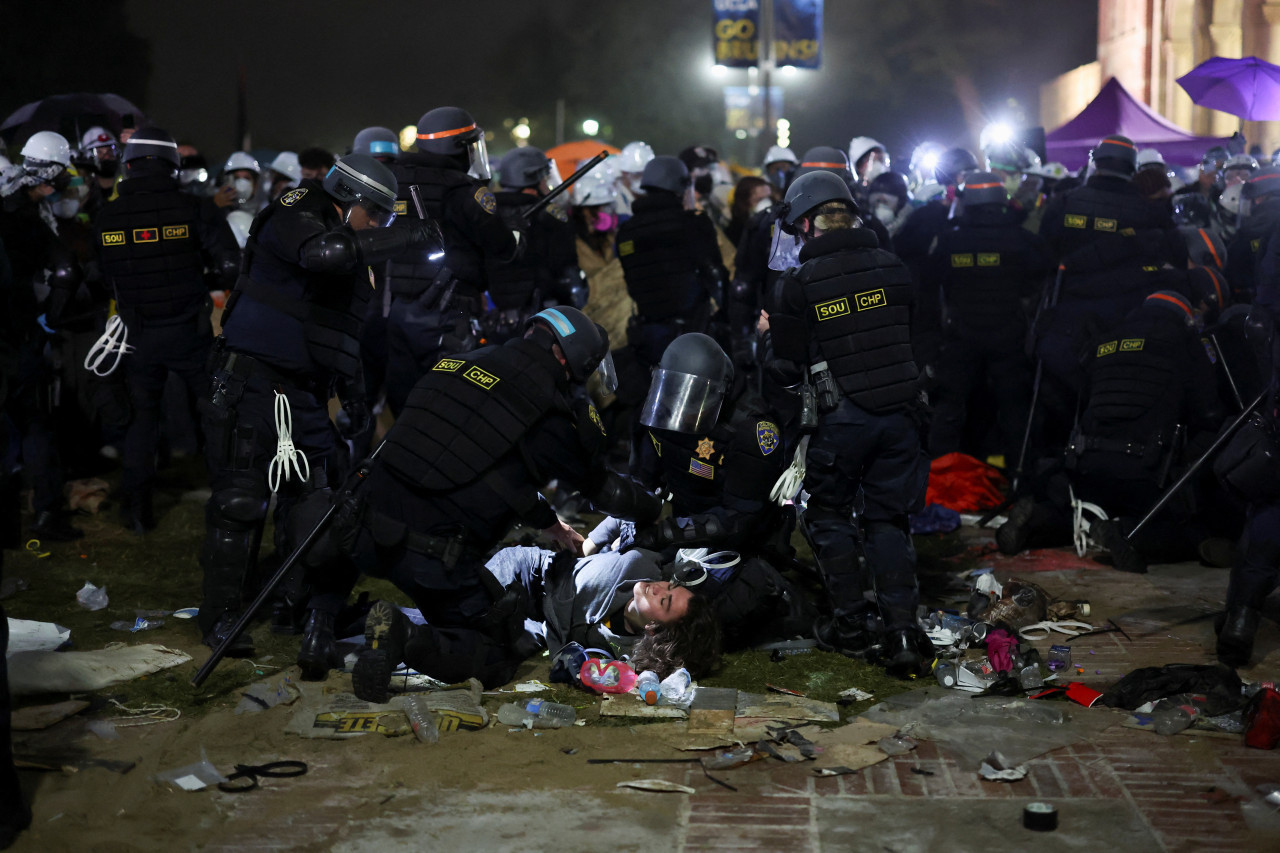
(1101, 224)
(483, 378)
(401, 207)
(831, 309)
(595, 418)
(1132, 344)
(485, 199)
(706, 448)
(989, 259)
(113, 238)
(449, 365)
(557, 212)
(767, 437)
(175, 232)
(293, 196)
(626, 247)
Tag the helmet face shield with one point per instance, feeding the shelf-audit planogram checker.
(478, 157)
(553, 178)
(682, 402)
(379, 216)
(607, 373)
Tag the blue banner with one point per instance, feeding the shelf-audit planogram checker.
(736, 33)
(797, 33)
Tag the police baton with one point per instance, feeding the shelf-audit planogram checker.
(269, 587)
(564, 185)
(1195, 466)
(1035, 386)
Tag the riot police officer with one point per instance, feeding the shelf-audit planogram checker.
(154, 244)
(986, 265)
(546, 273)
(670, 260)
(481, 432)
(290, 339)
(380, 143)
(842, 320)
(1259, 217)
(436, 298)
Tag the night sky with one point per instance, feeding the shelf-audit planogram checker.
(319, 71)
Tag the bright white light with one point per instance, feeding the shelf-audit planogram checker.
(719, 70)
(435, 256)
(753, 90)
(788, 70)
(740, 133)
(996, 133)
(520, 131)
(783, 125)
(929, 162)
(408, 136)
(591, 127)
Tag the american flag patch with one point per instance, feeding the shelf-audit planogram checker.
(701, 469)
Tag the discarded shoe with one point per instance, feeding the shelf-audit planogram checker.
(55, 527)
(1124, 556)
(319, 651)
(386, 631)
(1236, 630)
(1012, 536)
(243, 645)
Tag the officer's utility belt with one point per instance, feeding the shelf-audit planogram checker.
(389, 532)
(827, 392)
(136, 322)
(1149, 452)
(241, 367)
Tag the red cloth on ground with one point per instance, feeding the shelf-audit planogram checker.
(964, 484)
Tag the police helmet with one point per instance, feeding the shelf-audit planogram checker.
(1209, 288)
(978, 188)
(585, 344)
(1172, 301)
(689, 386)
(151, 151)
(665, 173)
(378, 142)
(1192, 209)
(824, 158)
(1116, 154)
(811, 191)
(447, 130)
(1204, 247)
(360, 179)
(523, 167)
(952, 163)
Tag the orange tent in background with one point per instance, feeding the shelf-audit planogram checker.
(570, 154)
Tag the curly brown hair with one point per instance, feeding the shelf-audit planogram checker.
(692, 642)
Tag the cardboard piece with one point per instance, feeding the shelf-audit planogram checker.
(853, 746)
(42, 716)
(78, 672)
(775, 706)
(631, 705)
(712, 711)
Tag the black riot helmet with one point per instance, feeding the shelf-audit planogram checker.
(689, 386)
(976, 189)
(524, 167)
(1261, 186)
(585, 344)
(1116, 155)
(151, 151)
(380, 143)
(665, 173)
(452, 131)
(360, 179)
(952, 163)
(823, 158)
(811, 191)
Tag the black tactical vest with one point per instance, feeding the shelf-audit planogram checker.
(984, 271)
(410, 274)
(1136, 375)
(469, 411)
(741, 457)
(333, 306)
(858, 311)
(151, 251)
(659, 260)
(1107, 212)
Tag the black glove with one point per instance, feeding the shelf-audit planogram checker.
(353, 419)
(424, 234)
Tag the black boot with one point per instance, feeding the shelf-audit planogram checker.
(55, 527)
(1110, 535)
(1012, 536)
(907, 652)
(851, 637)
(1235, 635)
(319, 652)
(386, 630)
(241, 647)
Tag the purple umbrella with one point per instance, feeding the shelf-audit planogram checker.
(1248, 87)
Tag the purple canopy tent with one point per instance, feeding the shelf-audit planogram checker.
(1116, 111)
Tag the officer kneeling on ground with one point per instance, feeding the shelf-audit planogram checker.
(290, 339)
(480, 434)
(843, 317)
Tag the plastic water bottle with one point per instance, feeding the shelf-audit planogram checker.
(649, 686)
(550, 714)
(1177, 713)
(421, 719)
(675, 688)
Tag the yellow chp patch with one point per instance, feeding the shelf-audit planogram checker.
(1101, 224)
(1132, 344)
(989, 259)
(871, 299)
(482, 378)
(175, 232)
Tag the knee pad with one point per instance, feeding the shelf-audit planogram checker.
(240, 506)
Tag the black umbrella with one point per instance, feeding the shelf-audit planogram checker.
(71, 115)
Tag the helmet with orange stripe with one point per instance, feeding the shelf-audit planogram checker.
(452, 131)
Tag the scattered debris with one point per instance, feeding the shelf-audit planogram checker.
(658, 785)
(92, 597)
(82, 672)
(38, 717)
(995, 768)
